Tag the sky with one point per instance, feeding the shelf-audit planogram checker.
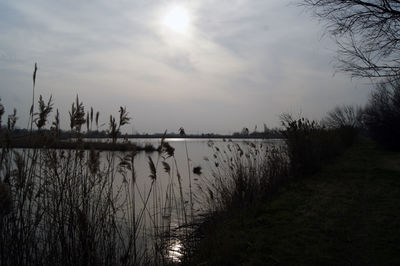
(205, 65)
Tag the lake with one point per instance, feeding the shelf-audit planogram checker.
(168, 207)
(136, 207)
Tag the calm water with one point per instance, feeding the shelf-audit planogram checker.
(199, 152)
(164, 209)
(162, 203)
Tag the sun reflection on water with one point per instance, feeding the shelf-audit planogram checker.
(175, 251)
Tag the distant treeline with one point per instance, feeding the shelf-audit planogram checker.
(65, 134)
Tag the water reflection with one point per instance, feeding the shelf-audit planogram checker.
(162, 204)
(175, 251)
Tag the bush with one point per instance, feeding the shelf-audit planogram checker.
(382, 114)
(343, 116)
(309, 143)
(346, 120)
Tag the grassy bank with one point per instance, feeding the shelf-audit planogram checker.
(346, 214)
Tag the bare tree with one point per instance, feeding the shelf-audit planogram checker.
(343, 116)
(367, 32)
(382, 114)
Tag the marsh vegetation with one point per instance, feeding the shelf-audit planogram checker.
(78, 205)
(73, 201)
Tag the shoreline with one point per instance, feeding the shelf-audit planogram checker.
(347, 213)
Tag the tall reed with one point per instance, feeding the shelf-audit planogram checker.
(310, 144)
(243, 174)
(84, 207)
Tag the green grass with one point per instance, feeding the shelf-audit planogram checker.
(347, 214)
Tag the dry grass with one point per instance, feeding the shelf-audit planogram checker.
(243, 174)
(69, 206)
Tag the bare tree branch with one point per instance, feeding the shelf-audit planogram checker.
(367, 32)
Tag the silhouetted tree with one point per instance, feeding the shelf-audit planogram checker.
(245, 131)
(266, 129)
(382, 114)
(367, 32)
(2, 111)
(344, 116)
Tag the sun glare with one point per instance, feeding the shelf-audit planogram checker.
(177, 19)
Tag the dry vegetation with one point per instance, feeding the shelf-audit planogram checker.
(79, 206)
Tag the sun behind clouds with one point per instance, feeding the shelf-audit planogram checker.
(177, 19)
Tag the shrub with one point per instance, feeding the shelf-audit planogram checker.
(347, 121)
(309, 143)
(343, 116)
(382, 114)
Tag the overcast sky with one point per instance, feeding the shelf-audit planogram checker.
(234, 64)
